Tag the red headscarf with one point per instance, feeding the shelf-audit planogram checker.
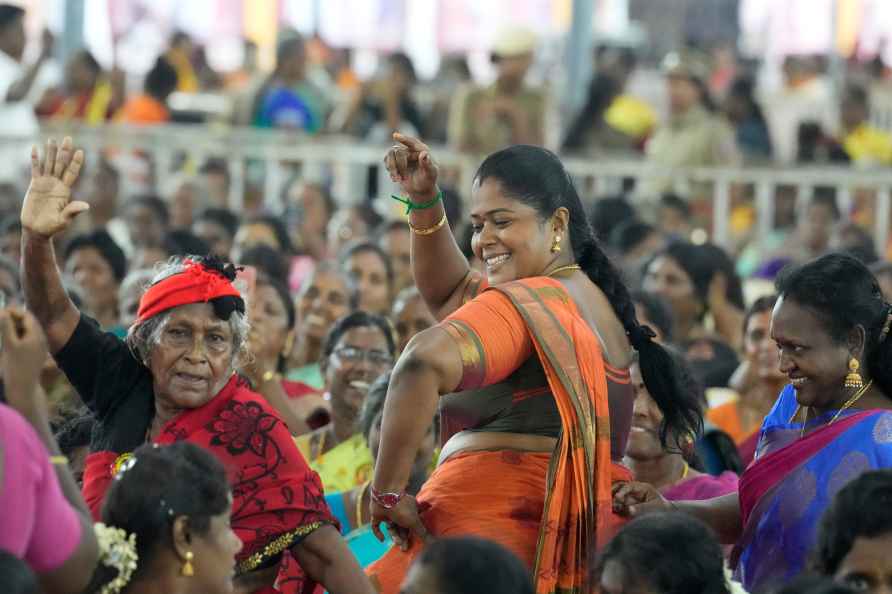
(195, 284)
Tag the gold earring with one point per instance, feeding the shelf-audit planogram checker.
(188, 570)
(556, 245)
(853, 379)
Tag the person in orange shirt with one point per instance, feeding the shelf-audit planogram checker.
(150, 107)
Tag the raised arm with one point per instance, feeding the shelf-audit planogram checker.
(47, 211)
(441, 270)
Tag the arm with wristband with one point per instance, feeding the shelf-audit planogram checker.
(440, 269)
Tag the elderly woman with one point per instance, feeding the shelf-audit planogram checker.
(174, 380)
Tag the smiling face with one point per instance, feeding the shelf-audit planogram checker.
(813, 361)
(644, 438)
(323, 300)
(509, 236)
(868, 566)
(214, 556)
(193, 358)
(359, 357)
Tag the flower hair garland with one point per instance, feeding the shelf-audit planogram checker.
(117, 550)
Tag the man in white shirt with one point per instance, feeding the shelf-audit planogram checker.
(21, 88)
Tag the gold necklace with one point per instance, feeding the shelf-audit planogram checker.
(564, 268)
(848, 404)
(851, 401)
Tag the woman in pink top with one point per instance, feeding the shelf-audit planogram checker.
(43, 519)
(665, 467)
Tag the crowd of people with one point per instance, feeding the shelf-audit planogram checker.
(524, 391)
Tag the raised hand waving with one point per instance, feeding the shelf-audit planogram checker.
(48, 208)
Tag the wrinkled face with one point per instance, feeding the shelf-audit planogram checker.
(667, 279)
(214, 561)
(683, 94)
(509, 237)
(216, 236)
(144, 226)
(813, 361)
(644, 438)
(421, 579)
(369, 273)
(11, 246)
(410, 316)
(761, 351)
(868, 566)
(270, 318)
(94, 275)
(359, 357)
(396, 243)
(193, 358)
(324, 299)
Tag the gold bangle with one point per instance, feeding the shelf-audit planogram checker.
(428, 230)
(59, 460)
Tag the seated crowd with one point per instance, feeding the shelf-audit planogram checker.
(211, 403)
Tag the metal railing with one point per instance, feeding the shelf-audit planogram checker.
(349, 160)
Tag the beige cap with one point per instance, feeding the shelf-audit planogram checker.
(687, 63)
(514, 41)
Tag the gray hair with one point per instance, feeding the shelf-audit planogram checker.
(143, 337)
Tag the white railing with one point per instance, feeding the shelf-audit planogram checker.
(350, 160)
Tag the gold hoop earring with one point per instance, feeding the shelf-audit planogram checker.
(188, 570)
(556, 245)
(853, 379)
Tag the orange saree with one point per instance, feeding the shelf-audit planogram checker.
(553, 511)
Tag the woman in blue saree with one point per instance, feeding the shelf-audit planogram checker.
(830, 424)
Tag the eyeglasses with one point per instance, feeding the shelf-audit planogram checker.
(355, 355)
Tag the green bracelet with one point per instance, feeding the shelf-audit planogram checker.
(410, 206)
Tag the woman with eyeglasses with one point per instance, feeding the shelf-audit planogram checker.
(174, 380)
(358, 349)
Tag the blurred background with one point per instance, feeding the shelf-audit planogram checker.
(760, 125)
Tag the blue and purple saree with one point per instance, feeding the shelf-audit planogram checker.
(784, 492)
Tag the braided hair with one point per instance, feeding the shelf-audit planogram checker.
(536, 177)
